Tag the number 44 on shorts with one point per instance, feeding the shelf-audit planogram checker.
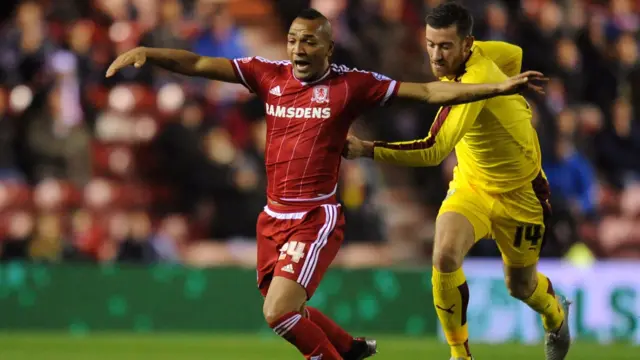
(294, 249)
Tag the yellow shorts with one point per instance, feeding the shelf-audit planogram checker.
(515, 220)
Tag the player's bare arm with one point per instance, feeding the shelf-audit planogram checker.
(178, 61)
(451, 93)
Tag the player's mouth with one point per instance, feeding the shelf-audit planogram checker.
(302, 65)
(439, 67)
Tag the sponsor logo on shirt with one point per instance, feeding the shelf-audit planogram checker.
(298, 113)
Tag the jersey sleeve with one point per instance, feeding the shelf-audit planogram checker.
(251, 71)
(373, 89)
(507, 56)
(451, 124)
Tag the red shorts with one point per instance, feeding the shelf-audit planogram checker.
(298, 246)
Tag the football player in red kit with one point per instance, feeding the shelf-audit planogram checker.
(310, 104)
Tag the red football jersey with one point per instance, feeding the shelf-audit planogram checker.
(307, 123)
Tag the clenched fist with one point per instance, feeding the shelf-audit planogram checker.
(355, 148)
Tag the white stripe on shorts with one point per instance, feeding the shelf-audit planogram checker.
(310, 263)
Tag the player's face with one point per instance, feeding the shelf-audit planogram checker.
(309, 47)
(447, 50)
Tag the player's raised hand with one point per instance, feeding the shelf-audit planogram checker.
(136, 57)
(524, 81)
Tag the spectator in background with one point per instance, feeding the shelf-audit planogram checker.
(170, 29)
(236, 192)
(185, 163)
(59, 146)
(335, 11)
(537, 33)
(9, 169)
(136, 247)
(556, 98)
(496, 22)
(15, 246)
(571, 176)
(80, 40)
(48, 243)
(619, 146)
(363, 233)
(171, 238)
(26, 47)
(570, 69)
(86, 237)
(629, 68)
(572, 180)
(591, 121)
(222, 38)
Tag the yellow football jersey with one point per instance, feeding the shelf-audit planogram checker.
(495, 143)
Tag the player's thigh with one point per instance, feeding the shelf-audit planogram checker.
(519, 227)
(519, 241)
(267, 251)
(462, 220)
(312, 247)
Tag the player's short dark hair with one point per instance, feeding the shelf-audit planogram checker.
(311, 14)
(451, 13)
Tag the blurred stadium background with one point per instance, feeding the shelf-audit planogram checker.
(127, 205)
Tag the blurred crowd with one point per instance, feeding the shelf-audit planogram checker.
(150, 166)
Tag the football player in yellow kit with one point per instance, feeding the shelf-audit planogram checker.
(498, 190)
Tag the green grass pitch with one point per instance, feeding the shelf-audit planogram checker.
(42, 346)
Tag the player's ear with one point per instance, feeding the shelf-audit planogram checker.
(331, 47)
(468, 42)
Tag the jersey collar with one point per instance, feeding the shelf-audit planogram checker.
(315, 81)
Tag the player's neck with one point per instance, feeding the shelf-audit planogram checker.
(461, 69)
(321, 75)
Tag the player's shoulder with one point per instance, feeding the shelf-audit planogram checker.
(350, 73)
(265, 63)
(480, 68)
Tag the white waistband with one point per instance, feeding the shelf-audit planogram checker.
(319, 198)
(284, 216)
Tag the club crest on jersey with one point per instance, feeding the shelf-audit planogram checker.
(320, 94)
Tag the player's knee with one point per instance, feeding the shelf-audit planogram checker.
(519, 287)
(275, 311)
(447, 260)
(284, 296)
(454, 238)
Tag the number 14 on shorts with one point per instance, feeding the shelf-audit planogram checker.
(293, 249)
(531, 233)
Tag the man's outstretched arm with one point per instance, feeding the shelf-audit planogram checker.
(178, 61)
(453, 93)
